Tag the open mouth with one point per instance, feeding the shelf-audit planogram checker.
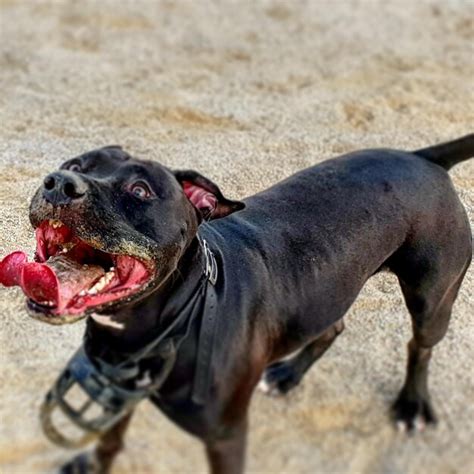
(71, 277)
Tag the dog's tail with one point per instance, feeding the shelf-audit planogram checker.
(450, 153)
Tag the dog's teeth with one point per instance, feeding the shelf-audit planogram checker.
(94, 289)
(101, 284)
(55, 224)
(83, 293)
(66, 247)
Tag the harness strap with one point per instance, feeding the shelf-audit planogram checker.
(186, 314)
(130, 367)
(203, 371)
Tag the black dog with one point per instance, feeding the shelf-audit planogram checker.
(289, 265)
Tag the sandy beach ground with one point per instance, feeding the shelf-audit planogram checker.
(247, 93)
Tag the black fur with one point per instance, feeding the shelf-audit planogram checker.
(290, 265)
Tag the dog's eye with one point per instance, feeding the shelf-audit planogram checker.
(141, 190)
(75, 168)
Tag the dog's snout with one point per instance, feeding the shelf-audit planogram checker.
(62, 187)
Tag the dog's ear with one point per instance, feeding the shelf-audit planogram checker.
(205, 196)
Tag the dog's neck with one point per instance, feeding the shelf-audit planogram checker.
(131, 328)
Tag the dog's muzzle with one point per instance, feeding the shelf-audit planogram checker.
(107, 402)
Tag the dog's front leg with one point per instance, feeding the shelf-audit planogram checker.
(226, 454)
(100, 460)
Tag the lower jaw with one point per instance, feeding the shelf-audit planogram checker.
(42, 313)
(38, 312)
(46, 314)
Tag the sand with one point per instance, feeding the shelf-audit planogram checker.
(247, 93)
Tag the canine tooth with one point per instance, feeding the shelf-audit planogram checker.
(82, 293)
(55, 224)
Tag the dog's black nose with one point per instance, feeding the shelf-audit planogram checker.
(62, 187)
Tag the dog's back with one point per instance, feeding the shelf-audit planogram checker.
(314, 239)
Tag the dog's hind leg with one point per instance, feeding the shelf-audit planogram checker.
(279, 378)
(100, 460)
(430, 277)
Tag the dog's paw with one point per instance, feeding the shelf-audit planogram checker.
(84, 463)
(278, 379)
(413, 415)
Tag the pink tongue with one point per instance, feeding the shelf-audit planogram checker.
(54, 284)
(11, 267)
(40, 284)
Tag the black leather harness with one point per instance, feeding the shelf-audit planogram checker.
(116, 388)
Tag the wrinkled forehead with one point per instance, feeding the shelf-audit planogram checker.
(116, 163)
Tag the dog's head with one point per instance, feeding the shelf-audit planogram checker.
(109, 230)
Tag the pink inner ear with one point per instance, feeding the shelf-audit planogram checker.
(199, 197)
